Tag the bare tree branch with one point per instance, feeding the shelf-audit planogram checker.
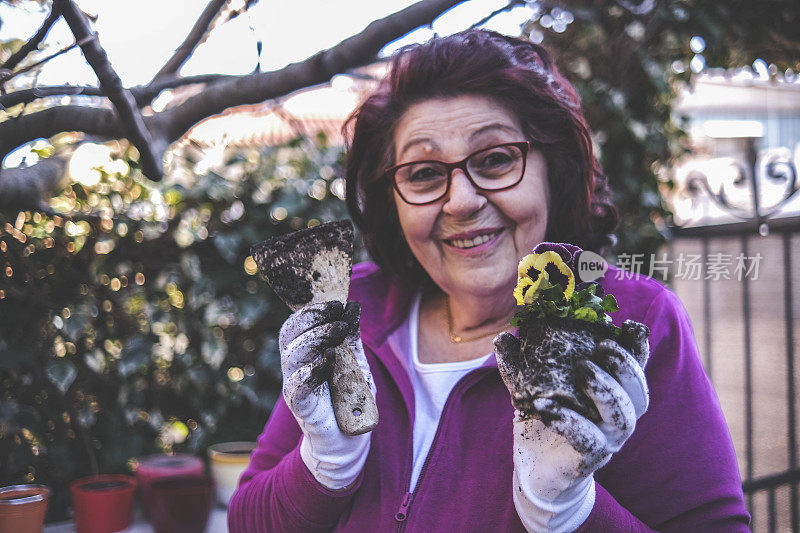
(487, 18)
(26, 96)
(137, 133)
(34, 41)
(8, 75)
(236, 12)
(27, 188)
(46, 123)
(354, 51)
(195, 37)
(142, 94)
(224, 92)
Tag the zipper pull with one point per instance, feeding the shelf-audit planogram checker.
(402, 513)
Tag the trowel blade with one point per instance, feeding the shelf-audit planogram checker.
(308, 266)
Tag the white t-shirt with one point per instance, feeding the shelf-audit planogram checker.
(432, 384)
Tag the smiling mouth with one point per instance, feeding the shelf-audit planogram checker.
(474, 241)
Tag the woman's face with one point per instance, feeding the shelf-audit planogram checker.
(449, 237)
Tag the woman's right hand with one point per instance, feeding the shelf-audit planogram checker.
(306, 341)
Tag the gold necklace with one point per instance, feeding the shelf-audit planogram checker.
(456, 339)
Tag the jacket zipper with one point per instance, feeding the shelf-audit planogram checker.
(402, 513)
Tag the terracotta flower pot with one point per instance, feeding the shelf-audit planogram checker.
(181, 504)
(228, 461)
(22, 508)
(104, 503)
(153, 467)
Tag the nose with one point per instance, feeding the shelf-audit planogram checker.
(463, 199)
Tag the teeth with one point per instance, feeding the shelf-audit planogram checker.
(471, 243)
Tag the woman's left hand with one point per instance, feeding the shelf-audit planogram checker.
(557, 451)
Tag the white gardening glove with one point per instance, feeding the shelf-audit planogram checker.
(556, 450)
(306, 344)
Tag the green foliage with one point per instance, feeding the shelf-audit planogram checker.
(148, 328)
(549, 301)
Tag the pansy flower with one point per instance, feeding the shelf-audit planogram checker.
(558, 272)
(526, 267)
(547, 286)
(567, 252)
(526, 288)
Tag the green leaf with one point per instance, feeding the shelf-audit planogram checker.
(75, 326)
(554, 293)
(95, 360)
(251, 309)
(134, 355)
(521, 316)
(214, 351)
(86, 417)
(596, 304)
(610, 303)
(552, 309)
(587, 314)
(61, 373)
(228, 245)
(173, 196)
(190, 264)
(581, 297)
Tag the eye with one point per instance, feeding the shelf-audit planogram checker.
(493, 159)
(424, 173)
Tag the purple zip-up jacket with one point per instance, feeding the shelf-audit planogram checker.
(677, 472)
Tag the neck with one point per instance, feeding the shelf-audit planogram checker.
(473, 315)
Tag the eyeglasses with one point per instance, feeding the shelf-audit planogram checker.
(495, 168)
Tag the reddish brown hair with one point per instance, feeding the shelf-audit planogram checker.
(519, 75)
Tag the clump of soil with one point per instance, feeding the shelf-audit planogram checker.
(550, 349)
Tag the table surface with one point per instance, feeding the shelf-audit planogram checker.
(217, 523)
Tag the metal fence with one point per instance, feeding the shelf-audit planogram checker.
(745, 328)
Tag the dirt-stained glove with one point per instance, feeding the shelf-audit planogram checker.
(306, 340)
(556, 450)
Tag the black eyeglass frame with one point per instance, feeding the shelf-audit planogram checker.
(524, 147)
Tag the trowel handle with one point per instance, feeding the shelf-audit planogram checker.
(353, 403)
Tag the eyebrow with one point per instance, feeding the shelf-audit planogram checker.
(475, 134)
(414, 142)
(489, 127)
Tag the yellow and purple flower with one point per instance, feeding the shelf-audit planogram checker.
(547, 286)
(526, 267)
(527, 285)
(557, 271)
(551, 264)
(568, 252)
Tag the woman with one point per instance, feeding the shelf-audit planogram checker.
(446, 230)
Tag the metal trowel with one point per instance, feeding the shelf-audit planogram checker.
(311, 266)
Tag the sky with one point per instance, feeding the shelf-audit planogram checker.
(140, 40)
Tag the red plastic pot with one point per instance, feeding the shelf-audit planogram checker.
(104, 503)
(160, 466)
(181, 504)
(22, 508)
